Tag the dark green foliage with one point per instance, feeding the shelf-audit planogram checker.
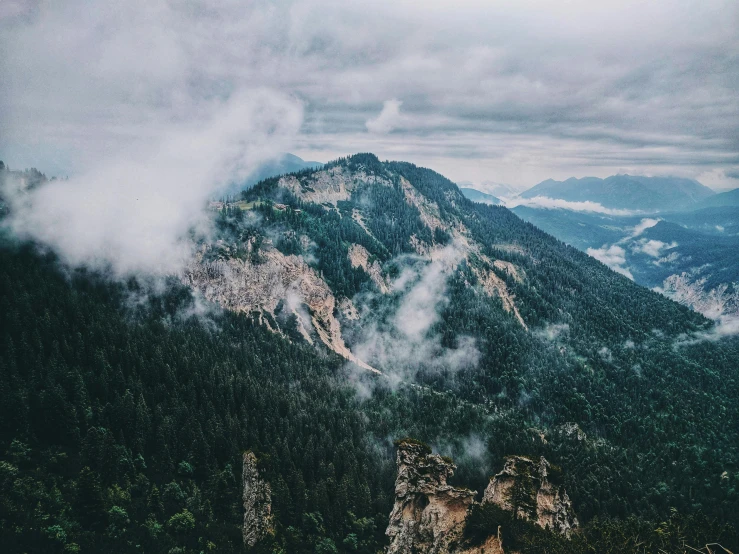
(484, 521)
(415, 442)
(522, 495)
(677, 534)
(151, 413)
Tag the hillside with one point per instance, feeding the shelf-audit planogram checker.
(689, 255)
(482, 197)
(362, 302)
(630, 192)
(720, 200)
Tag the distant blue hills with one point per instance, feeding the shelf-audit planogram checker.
(628, 192)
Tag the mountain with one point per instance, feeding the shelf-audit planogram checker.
(490, 187)
(649, 194)
(287, 163)
(477, 196)
(720, 200)
(691, 256)
(329, 313)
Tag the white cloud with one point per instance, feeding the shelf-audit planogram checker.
(599, 91)
(556, 203)
(651, 247)
(155, 105)
(553, 331)
(133, 211)
(613, 256)
(387, 120)
(643, 225)
(406, 341)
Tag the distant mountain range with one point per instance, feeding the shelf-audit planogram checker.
(500, 190)
(477, 196)
(628, 192)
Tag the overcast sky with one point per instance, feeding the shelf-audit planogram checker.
(512, 92)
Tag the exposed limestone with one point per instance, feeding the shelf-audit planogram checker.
(719, 302)
(525, 485)
(257, 497)
(359, 218)
(510, 269)
(493, 285)
(429, 515)
(421, 248)
(572, 430)
(246, 286)
(329, 186)
(430, 214)
(348, 309)
(359, 257)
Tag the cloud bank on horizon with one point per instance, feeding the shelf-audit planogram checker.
(514, 91)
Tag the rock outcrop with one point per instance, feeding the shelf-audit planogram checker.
(429, 515)
(529, 488)
(329, 186)
(257, 497)
(247, 286)
(360, 257)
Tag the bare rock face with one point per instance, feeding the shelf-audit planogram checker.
(429, 515)
(360, 257)
(246, 286)
(329, 186)
(528, 488)
(257, 498)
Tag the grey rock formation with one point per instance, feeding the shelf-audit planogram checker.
(257, 496)
(429, 515)
(528, 487)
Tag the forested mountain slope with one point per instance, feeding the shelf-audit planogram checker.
(691, 256)
(123, 416)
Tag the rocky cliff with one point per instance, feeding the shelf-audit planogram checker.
(257, 497)
(529, 488)
(246, 286)
(430, 516)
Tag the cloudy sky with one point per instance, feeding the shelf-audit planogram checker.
(512, 92)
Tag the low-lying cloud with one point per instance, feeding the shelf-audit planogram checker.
(556, 203)
(613, 256)
(136, 211)
(642, 226)
(146, 110)
(406, 342)
(651, 247)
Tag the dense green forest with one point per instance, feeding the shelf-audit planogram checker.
(123, 417)
(125, 427)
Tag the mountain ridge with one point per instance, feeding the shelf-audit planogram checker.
(625, 191)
